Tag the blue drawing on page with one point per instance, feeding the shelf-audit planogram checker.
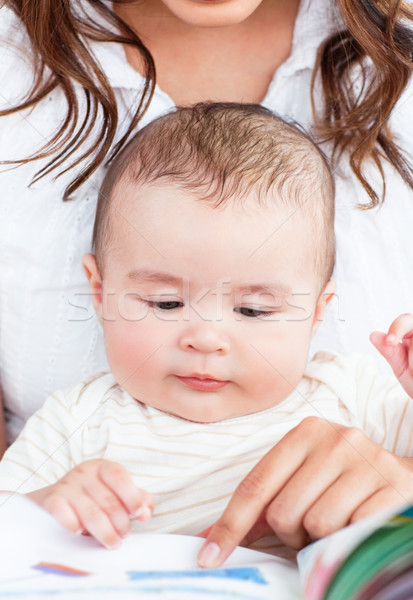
(240, 573)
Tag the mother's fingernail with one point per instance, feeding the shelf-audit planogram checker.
(209, 555)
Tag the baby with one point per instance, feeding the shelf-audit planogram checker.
(213, 255)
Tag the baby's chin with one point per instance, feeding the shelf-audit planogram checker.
(207, 413)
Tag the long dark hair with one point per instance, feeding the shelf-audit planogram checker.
(356, 124)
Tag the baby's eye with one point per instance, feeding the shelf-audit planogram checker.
(166, 305)
(247, 311)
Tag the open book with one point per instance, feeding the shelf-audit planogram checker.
(371, 560)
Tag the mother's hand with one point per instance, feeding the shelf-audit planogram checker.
(318, 478)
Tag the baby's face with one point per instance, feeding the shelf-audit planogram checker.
(207, 313)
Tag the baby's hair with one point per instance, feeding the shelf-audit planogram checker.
(221, 152)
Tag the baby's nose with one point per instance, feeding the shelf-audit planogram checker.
(206, 339)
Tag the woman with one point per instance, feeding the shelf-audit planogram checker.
(78, 77)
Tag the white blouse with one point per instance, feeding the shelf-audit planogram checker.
(49, 336)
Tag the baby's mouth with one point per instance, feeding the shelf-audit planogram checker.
(204, 383)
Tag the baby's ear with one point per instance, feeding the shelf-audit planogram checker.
(95, 282)
(327, 293)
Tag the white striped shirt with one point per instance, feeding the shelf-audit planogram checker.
(192, 469)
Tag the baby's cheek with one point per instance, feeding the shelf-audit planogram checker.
(277, 369)
(127, 349)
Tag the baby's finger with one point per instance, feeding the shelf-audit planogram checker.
(401, 327)
(394, 352)
(63, 512)
(410, 358)
(137, 502)
(94, 519)
(115, 510)
(378, 339)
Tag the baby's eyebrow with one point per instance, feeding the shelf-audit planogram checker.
(278, 289)
(142, 275)
(148, 275)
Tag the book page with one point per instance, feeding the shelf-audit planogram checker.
(320, 562)
(39, 558)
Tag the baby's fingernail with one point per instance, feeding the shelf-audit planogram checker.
(143, 513)
(391, 338)
(208, 555)
(115, 545)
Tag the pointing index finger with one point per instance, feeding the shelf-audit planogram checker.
(238, 518)
(252, 495)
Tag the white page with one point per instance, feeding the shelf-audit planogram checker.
(36, 553)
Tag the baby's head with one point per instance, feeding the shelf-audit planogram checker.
(214, 248)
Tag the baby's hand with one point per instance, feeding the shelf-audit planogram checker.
(96, 496)
(397, 348)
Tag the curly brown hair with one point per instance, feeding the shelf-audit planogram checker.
(355, 123)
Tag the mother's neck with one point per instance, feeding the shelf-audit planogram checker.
(230, 63)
